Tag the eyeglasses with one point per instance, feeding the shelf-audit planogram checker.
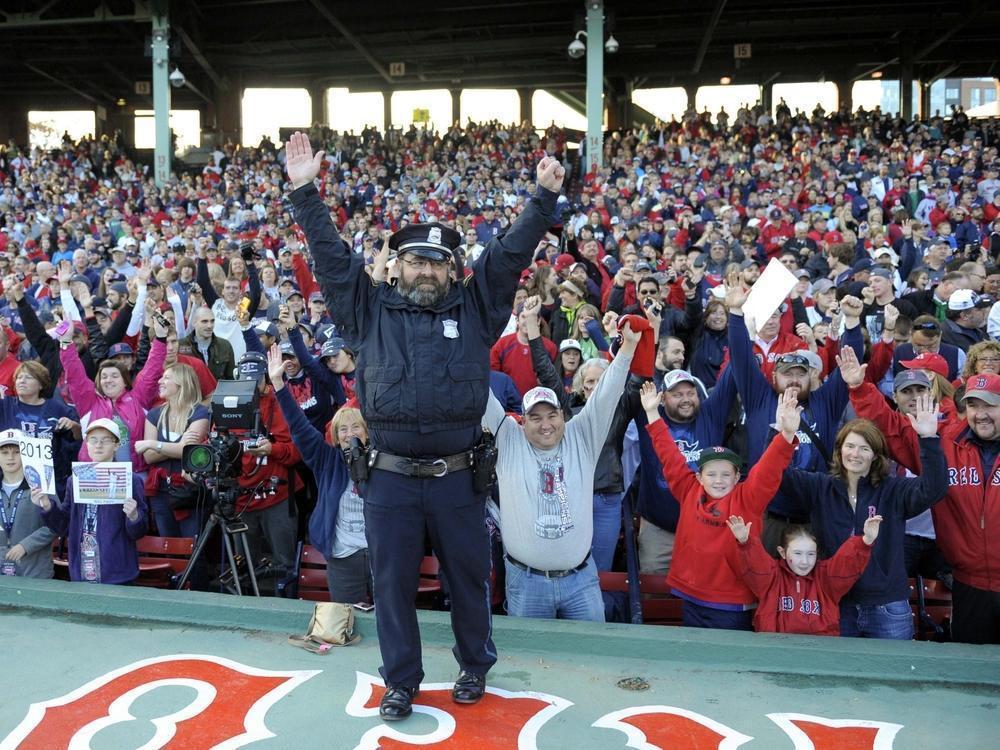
(647, 292)
(423, 264)
(989, 360)
(101, 441)
(928, 326)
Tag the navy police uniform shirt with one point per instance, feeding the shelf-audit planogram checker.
(423, 372)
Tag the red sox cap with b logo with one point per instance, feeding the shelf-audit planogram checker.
(985, 387)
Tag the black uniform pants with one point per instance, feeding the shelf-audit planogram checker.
(398, 510)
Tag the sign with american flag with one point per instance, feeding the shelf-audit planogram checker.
(107, 483)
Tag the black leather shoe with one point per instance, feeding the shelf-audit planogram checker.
(397, 703)
(469, 687)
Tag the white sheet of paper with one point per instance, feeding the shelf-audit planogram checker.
(36, 457)
(108, 483)
(767, 294)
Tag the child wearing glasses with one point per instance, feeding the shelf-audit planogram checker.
(100, 538)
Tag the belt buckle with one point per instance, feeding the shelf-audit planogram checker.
(439, 462)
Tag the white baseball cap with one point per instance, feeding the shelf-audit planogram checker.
(539, 395)
(10, 437)
(105, 424)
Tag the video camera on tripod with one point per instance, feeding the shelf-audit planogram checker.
(218, 464)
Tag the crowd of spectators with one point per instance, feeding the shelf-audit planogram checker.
(891, 228)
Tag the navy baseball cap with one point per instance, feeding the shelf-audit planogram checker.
(120, 349)
(719, 453)
(265, 328)
(865, 264)
(332, 347)
(252, 366)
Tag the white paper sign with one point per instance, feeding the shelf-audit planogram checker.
(767, 294)
(108, 483)
(36, 457)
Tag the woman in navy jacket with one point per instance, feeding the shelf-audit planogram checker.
(336, 526)
(858, 488)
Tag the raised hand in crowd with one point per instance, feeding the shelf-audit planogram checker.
(65, 274)
(805, 332)
(160, 324)
(13, 289)
(788, 415)
(891, 313)
(851, 370)
(851, 308)
(736, 297)
(286, 318)
(649, 398)
(740, 529)
(143, 272)
(276, 367)
(928, 414)
(610, 320)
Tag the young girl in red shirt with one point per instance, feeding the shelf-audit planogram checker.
(797, 594)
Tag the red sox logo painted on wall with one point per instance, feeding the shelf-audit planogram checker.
(233, 699)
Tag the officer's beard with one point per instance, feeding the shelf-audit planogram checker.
(419, 291)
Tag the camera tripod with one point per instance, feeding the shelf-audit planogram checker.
(233, 531)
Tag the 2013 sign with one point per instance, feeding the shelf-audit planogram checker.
(231, 701)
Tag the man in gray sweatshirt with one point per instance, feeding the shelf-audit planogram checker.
(545, 471)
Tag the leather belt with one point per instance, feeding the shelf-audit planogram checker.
(423, 468)
(547, 573)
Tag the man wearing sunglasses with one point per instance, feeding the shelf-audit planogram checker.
(925, 338)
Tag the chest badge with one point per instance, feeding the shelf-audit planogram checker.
(450, 329)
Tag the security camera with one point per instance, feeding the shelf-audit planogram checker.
(611, 46)
(576, 49)
(177, 78)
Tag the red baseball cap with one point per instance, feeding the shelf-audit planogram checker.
(831, 238)
(563, 261)
(928, 361)
(985, 387)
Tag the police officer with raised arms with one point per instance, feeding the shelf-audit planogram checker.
(423, 360)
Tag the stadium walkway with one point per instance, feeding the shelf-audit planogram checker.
(111, 668)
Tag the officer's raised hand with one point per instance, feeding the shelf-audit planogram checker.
(300, 162)
(550, 174)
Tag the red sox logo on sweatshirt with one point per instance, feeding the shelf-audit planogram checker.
(231, 701)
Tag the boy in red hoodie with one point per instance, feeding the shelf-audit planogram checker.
(703, 571)
(798, 594)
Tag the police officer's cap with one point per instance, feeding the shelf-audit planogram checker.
(433, 241)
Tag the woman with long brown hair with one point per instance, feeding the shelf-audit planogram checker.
(860, 486)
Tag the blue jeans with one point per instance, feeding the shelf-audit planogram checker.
(891, 620)
(607, 527)
(573, 597)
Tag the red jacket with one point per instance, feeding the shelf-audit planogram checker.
(967, 521)
(774, 236)
(807, 605)
(283, 456)
(705, 556)
(783, 343)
